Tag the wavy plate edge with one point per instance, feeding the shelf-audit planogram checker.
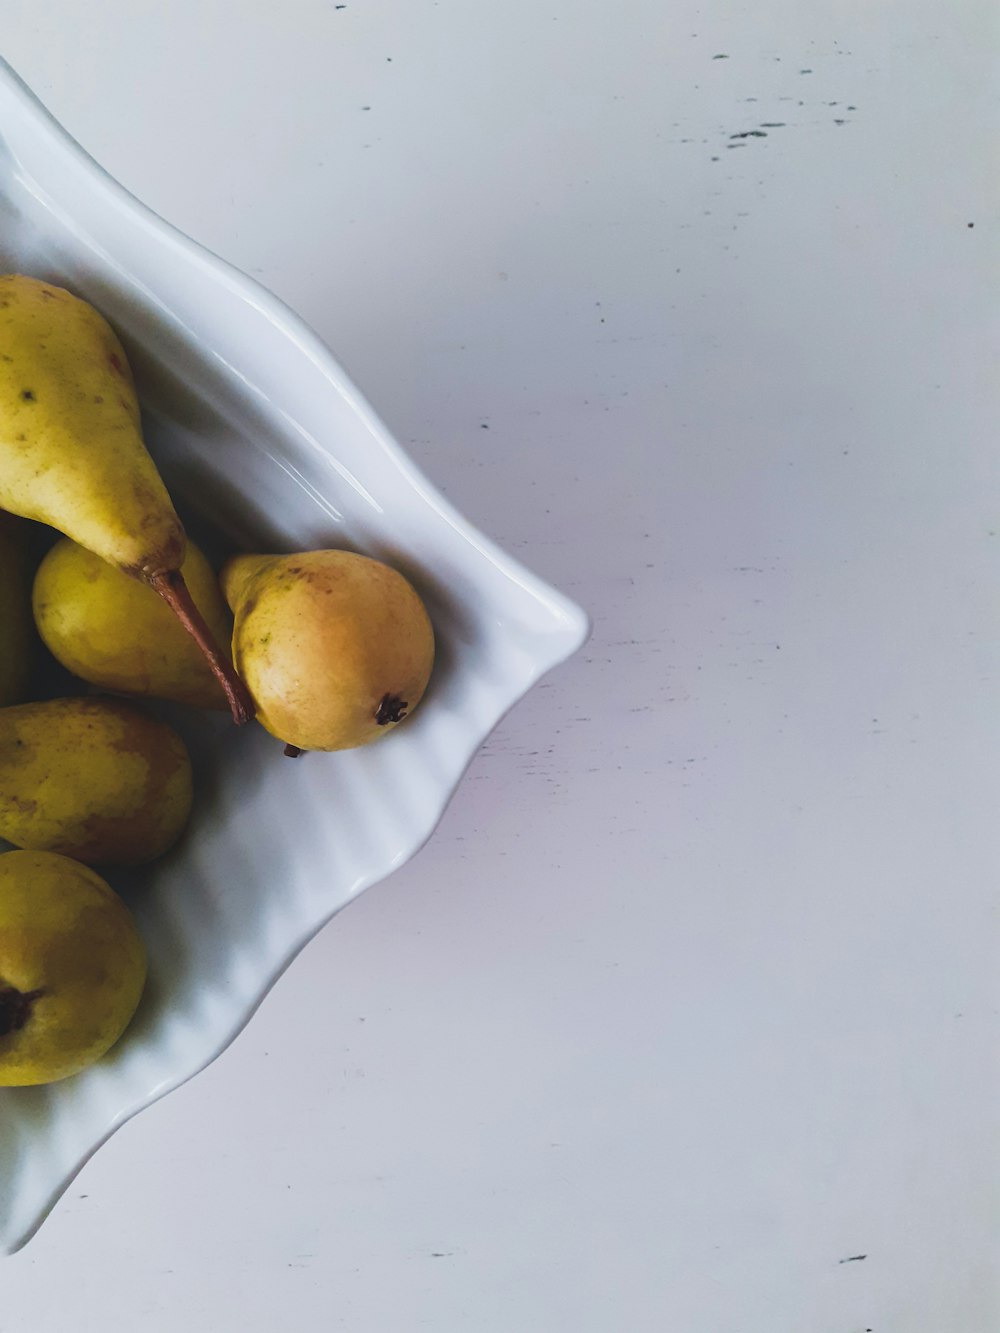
(572, 622)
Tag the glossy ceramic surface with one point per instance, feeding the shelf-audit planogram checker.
(266, 445)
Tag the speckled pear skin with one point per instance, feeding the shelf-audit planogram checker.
(72, 453)
(72, 968)
(92, 778)
(116, 633)
(71, 447)
(336, 648)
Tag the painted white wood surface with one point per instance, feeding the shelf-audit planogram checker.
(693, 996)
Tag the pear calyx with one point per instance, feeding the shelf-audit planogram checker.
(391, 708)
(15, 1008)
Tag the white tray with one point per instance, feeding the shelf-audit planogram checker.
(265, 444)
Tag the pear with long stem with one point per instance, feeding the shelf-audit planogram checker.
(72, 453)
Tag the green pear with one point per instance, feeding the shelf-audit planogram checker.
(72, 968)
(336, 648)
(114, 632)
(15, 622)
(72, 453)
(91, 778)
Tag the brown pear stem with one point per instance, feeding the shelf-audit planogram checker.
(292, 751)
(169, 583)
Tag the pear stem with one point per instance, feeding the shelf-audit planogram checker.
(292, 751)
(169, 583)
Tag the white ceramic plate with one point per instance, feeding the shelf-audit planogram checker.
(265, 443)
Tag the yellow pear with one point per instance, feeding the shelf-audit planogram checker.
(116, 633)
(15, 623)
(91, 778)
(72, 453)
(336, 648)
(72, 968)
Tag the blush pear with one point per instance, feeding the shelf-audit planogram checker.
(336, 648)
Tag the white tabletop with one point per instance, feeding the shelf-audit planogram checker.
(685, 1020)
